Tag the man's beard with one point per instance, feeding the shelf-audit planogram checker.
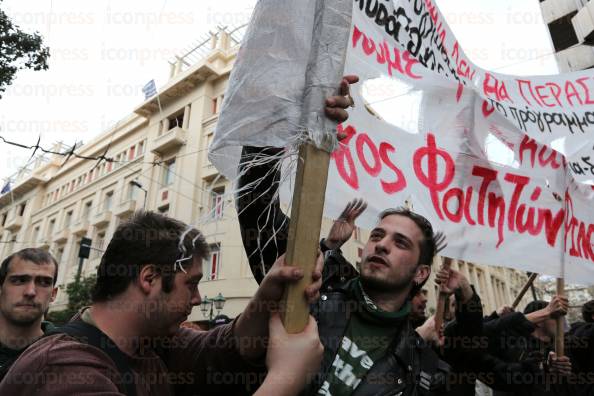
(23, 320)
(372, 283)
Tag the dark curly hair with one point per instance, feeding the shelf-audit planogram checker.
(147, 238)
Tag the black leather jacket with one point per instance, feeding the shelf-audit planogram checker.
(409, 368)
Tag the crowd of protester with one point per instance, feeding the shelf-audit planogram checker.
(368, 332)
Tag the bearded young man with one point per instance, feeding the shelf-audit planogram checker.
(27, 287)
(370, 346)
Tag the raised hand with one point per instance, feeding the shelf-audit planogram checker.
(343, 227)
(450, 280)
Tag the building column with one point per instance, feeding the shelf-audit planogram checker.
(508, 288)
(490, 290)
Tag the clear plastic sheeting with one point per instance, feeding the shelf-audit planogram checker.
(280, 79)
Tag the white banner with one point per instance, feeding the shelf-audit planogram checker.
(554, 110)
(473, 152)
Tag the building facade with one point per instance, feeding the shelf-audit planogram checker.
(159, 162)
(571, 28)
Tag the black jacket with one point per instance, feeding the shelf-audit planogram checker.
(8, 356)
(409, 368)
(579, 345)
(468, 351)
(511, 340)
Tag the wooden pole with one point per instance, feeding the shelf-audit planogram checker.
(527, 286)
(560, 336)
(304, 231)
(441, 300)
(331, 28)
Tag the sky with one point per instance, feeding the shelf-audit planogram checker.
(103, 52)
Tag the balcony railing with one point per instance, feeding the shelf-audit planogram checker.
(169, 141)
(101, 219)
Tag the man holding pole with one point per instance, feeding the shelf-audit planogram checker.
(528, 338)
(389, 278)
(129, 341)
(370, 345)
(147, 285)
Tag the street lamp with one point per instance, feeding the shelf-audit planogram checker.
(219, 302)
(207, 305)
(137, 184)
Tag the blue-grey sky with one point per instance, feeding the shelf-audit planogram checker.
(103, 52)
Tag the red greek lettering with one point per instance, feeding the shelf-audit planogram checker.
(552, 159)
(542, 95)
(371, 158)
(497, 211)
(488, 176)
(432, 9)
(385, 54)
(364, 140)
(410, 62)
(356, 35)
(393, 64)
(556, 91)
(456, 215)
(467, 216)
(487, 109)
(530, 145)
(529, 84)
(400, 183)
(584, 243)
(430, 179)
(344, 159)
(552, 224)
(368, 45)
(586, 89)
(520, 182)
(572, 92)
